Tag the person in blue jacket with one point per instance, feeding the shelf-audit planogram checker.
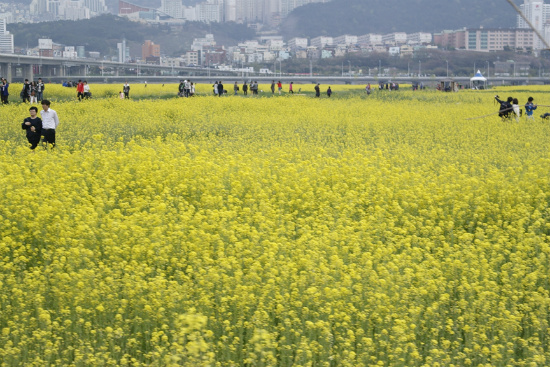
(529, 108)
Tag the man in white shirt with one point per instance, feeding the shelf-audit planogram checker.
(50, 120)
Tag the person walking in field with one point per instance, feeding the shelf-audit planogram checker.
(529, 108)
(215, 88)
(33, 93)
(245, 89)
(515, 108)
(26, 91)
(50, 121)
(126, 90)
(291, 88)
(80, 90)
(318, 90)
(40, 89)
(273, 87)
(5, 91)
(236, 88)
(87, 93)
(220, 88)
(329, 92)
(505, 107)
(280, 87)
(33, 126)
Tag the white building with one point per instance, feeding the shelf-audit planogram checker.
(173, 8)
(419, 38)
(346, 40)
(210, 11)
(322, 41)
(67, 9)
(397, 38)
(297, 42)
(538, 14)
(6, 38)
(370, 39)
(275, 45)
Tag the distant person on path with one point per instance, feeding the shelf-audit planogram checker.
(529, 108)
(505, 107)
(236, 88)
(126, 90)
(40, 89)
(4, 91)
(33, 125)
(245, 89)
(80, 90)
(50, 121)
(220, 88)
(329, 92)
(33, 93)
(273, 87)
(291, 88)
(317, 90)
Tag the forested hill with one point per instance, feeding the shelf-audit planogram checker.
(102, 34)
(359, 17)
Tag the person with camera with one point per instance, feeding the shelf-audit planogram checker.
(505, 107)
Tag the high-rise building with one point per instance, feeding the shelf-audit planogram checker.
(6, 38)
(538, 14)
(67, 9)
(173, 8)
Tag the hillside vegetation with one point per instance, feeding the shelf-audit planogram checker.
(104, 32)
(385, 16)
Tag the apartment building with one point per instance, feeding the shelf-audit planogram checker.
(296, 43)
(321, 41)
(419, 38)
(345, 39)
(370, 39)
(395, 39)
(485, 39)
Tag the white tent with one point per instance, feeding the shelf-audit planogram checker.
(478, 81)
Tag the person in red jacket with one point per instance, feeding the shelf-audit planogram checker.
(80, 90)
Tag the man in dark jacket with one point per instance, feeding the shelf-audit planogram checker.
(33, 125)
(220, 88)
(505, 107)
(317, 90)
(26, 91)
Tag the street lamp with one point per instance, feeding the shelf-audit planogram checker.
(349, 63)
(342, 69)
(419, 68)
(379, 67)
(487, 68)
(447, 61)
(310, 68)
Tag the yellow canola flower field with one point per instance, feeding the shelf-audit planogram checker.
(282, 231)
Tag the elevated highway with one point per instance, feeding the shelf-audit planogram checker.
(17, 68)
